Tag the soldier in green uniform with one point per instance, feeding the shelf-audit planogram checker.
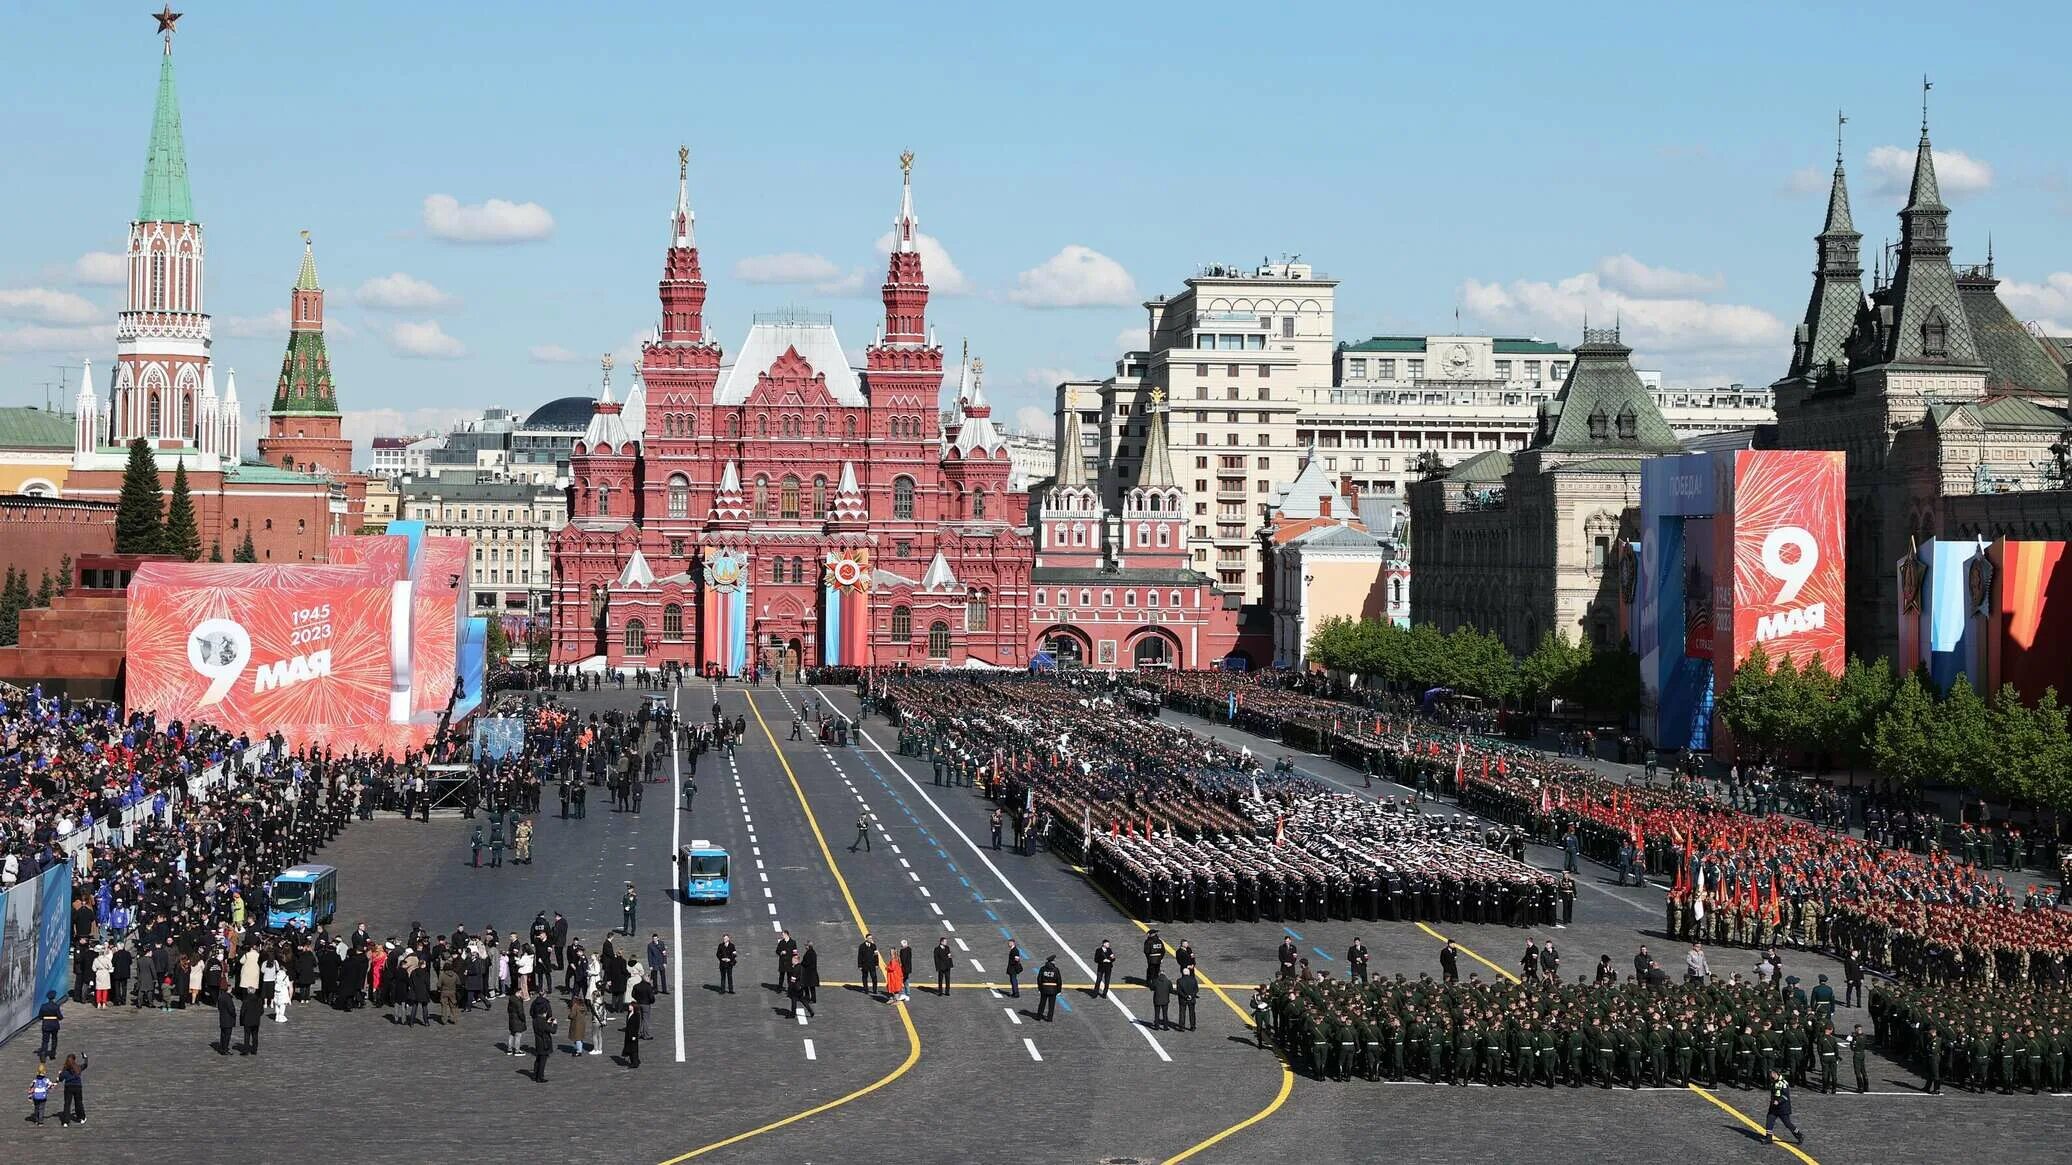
(1745, 1058)
(1686, 1047)
(1630, 1041)
(1859, 1059)
(1830, 1060)
(1603, 1040)
(1980, 1059)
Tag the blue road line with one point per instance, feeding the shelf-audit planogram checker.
(1292, 934)
(1006, 933)
(994, 917)
(1320, 951)
(1064, 1003)
(965, 880)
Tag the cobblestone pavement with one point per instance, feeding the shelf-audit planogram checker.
(977, 1077)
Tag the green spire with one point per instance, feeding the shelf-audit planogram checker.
(165, 197)
(307, 280)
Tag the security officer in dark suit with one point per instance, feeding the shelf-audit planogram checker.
(1049, 982)
(1189, 991)
(543, 1024)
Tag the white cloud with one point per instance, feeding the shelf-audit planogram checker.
(87, 340)
(786, 267)
(401, 292)
(100, 269)
(819, 271)
(1628, 274)
(1132, 339)
(936, 265)
(1699, 336)
(1046, 380)
(1810, 180)
(361, 426)
(425, 340)
(2045, 303)
(492, 221)
(1955, 173)
(551, 354)
(272, 323)
(1030, 419)
(1076, 276)
(42, 305)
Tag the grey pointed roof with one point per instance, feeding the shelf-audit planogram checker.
(1837, 299)
(2017, 362)
(1603, 407)
(1155, 471)
(1071, 458)
(1928, 321)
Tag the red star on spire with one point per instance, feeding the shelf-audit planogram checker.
(166, 18)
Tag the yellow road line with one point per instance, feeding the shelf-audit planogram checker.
(906, 1019)
(1745, 1119)
(990, 985)
(1729, 1109)
(1287, 1074)
(1464, 949)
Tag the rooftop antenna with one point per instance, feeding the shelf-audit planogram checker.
(1926, 85)
(1840, 121)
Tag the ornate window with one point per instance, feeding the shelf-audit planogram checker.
(762, 497)
(672, 623)
(820, 425)
(776, 570)
(902, 625)
(157, 280)
(938, 640)
(903, 498)
(679, 496)
(819, 497)
(762, 425)
(788, 497)
(798, 569)
(849, 428)
(1600, 426)
(636, 637)
(733, 427)
(1629, 424)
(155, 415)
(976, 612)
(978, 503)
(1935, 334)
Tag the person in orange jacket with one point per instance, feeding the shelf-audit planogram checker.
(895, 980)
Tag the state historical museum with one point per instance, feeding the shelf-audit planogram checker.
(786, 508)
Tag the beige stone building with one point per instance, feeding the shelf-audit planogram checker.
(1231, 351)
(1324, 562)
(1945, 404)
(1520, 544)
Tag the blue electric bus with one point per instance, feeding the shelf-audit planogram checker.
(703, 872)
(303, 896)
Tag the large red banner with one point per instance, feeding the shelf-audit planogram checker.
(304, 650)
(1789, 560)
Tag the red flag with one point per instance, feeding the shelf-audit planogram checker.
(1280, 829)
(1545, 801)
(1485, 768)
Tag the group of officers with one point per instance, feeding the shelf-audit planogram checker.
(2004, 1039)
(1606, 1034)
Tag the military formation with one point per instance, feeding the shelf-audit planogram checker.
(2007, 1039)
(1543, 1032)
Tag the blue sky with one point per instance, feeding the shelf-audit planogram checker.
(1522, 163)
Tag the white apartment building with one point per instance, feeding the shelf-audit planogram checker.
(1231, 354)
(1394, 400)
(510, 521)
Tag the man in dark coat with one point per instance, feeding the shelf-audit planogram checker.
(249, 1013)
(226, 1019)
(542, 1012)
(1161, 1000)
(867, 964)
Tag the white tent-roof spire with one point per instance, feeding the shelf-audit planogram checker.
(906, 226)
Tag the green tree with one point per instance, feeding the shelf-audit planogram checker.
(139, 525)
(182, 535)
(1608, 683)
(10, 609)
(215, 550)
(64, 574)
(1550, 669)
(47, 590)
(1962, 741)
(245, 552)
(2053, 780)
(1748, 705)
(1900, 741)
(1862, 693)
(498, 644)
